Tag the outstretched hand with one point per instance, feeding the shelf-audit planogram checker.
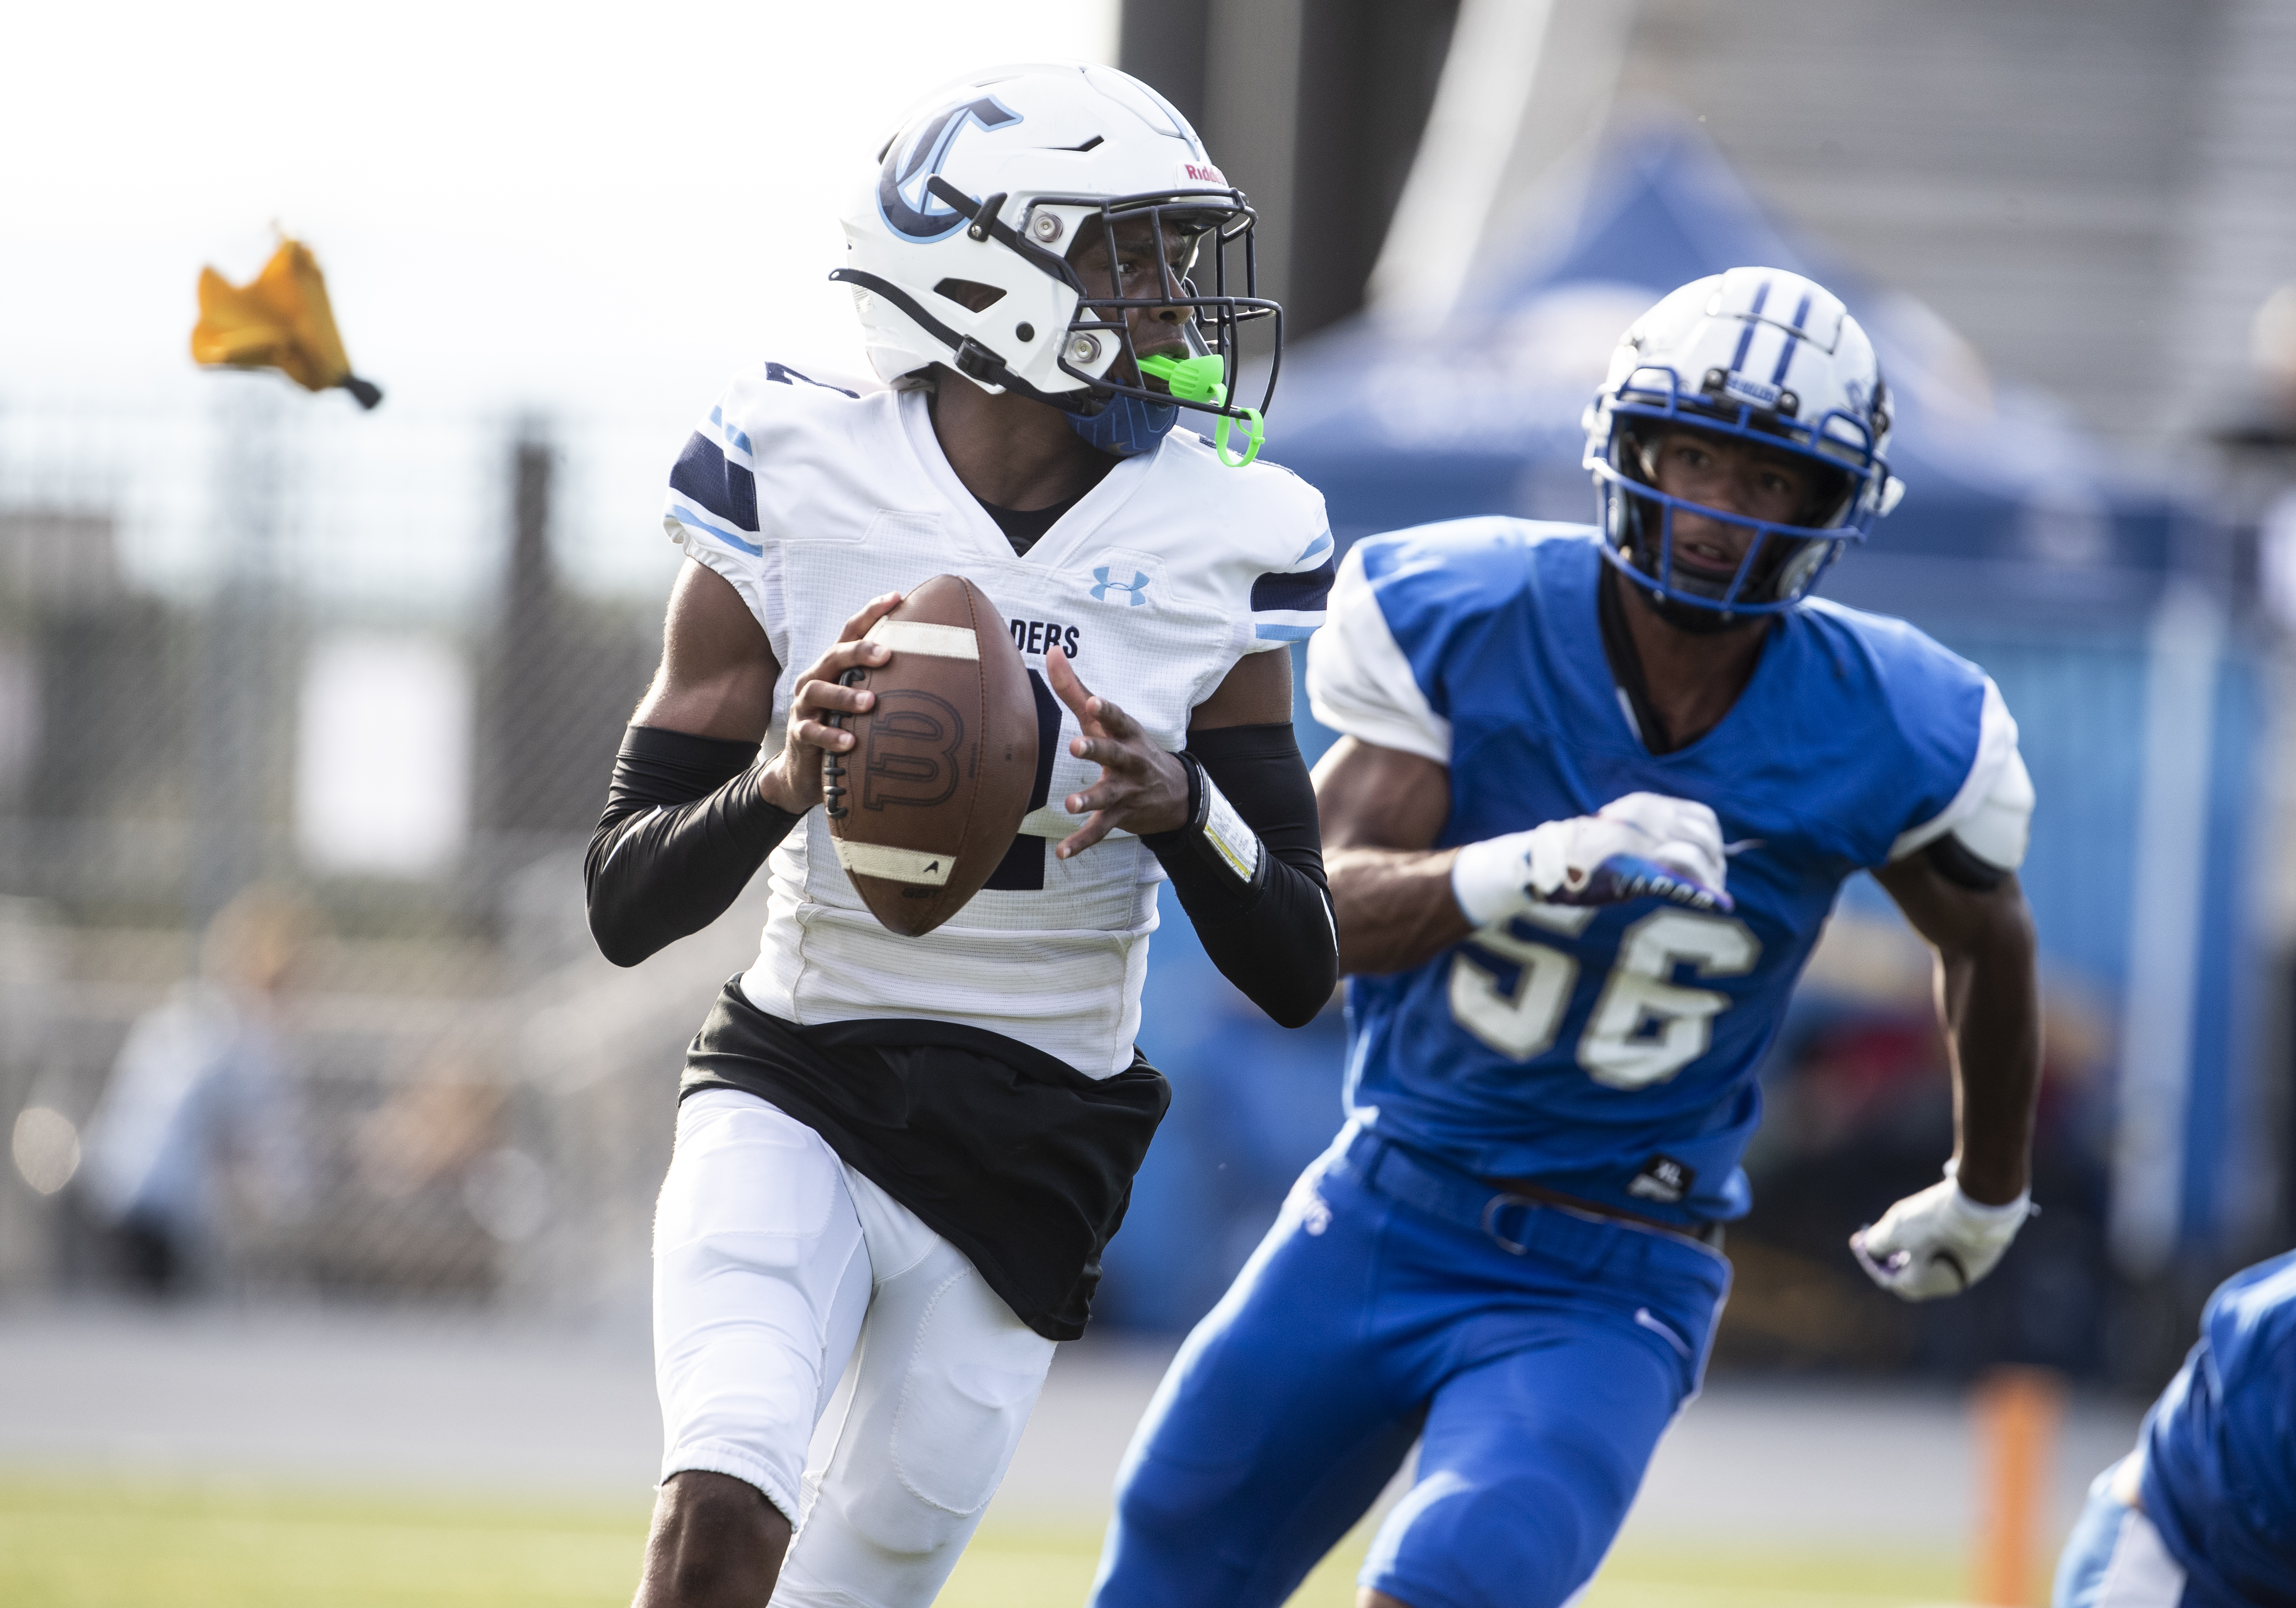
(1142, 787)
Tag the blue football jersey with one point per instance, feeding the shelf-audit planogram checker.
(2219, 1473)
(1612, 1053)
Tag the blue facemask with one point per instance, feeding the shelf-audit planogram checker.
(1126, 426)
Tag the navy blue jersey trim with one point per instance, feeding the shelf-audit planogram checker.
(1303, 590)
(725, 490)
(781, 373)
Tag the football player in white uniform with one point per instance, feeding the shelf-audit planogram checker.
(898, 1158)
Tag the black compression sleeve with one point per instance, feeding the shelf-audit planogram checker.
(1272, 937)
(684, 832)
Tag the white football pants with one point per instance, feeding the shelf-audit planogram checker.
(797, 1306)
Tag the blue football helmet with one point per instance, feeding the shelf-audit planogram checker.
(1758, 355)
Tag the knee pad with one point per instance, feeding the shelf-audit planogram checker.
(1527, 1540)
(972, 1375)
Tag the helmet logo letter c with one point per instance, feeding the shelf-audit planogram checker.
(908, 210)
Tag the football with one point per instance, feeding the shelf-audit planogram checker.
(926, 803)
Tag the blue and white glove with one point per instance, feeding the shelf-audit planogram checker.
(1644, 845)
(1939, 1242)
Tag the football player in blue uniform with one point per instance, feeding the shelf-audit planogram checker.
(2202, 1514)
(1595, 794)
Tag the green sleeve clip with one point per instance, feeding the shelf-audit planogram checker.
(1198, 380)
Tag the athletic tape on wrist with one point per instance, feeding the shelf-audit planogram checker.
(1487, 880)
(1233, 843)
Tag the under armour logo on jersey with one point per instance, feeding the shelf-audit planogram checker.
(1133, 588)
(910, 210)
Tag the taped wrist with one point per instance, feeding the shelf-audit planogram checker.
(1491, 880)
(684, 830)
(1221, 844)
(1248, 868)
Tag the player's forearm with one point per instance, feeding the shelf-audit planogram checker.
(1990, 1003)
(1282, 951)
(684, 830)
(1395, 907)
(1250, 873)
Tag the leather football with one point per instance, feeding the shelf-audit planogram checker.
(923, 806)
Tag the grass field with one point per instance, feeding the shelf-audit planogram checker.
(92, 1545)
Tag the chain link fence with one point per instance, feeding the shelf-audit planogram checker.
(302, 733)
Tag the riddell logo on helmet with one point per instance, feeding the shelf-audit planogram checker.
(1202, 173)
(1746, 389)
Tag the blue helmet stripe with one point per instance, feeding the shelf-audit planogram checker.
(1794, 338)
(1746, 334)
(1745, 344)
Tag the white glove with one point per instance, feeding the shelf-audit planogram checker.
(1939, 1242)
(1644, 845)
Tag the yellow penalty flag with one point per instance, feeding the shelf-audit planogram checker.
(279, 320)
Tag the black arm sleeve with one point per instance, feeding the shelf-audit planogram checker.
(1274, 937)
(684, 832)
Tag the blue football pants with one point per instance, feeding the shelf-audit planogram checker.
(1536, 1371)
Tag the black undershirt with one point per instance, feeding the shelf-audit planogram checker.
(1025, 527)
(1626, 665)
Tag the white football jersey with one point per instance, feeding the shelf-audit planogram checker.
(811, 500)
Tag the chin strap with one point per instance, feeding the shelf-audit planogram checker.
(1124, 425)
(966, 355)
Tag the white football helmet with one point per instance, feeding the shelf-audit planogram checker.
(1762, 356)
(958, 245)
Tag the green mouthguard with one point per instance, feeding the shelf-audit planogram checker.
(1198, 380)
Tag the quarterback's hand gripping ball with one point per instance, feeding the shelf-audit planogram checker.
(924, 804)
(1644, 845)
(1937, 1242)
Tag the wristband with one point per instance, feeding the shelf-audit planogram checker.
(1231, 844)
(1489, 878)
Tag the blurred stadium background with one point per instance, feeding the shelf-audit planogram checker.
(352, 682)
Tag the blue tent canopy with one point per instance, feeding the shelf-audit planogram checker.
(1400, 426)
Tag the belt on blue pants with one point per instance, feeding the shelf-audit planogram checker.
(1491, 1208)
